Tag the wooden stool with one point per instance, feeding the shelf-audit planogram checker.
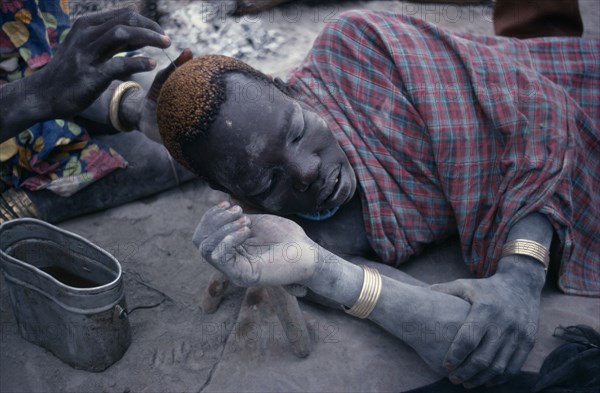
(286, 307)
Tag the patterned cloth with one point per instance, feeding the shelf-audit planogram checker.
(459, 133)
(58, 154)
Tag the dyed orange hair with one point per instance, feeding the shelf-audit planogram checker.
(190, 100)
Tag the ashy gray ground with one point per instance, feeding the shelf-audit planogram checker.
(241, 347)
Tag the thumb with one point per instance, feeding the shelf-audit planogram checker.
(456, 288)
(198, 236)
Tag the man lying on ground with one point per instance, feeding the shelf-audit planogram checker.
(410, 134)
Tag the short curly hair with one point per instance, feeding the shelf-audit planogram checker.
(190, 100)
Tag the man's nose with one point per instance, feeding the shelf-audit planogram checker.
(304, 172)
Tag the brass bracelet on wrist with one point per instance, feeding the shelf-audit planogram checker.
(369, 294)
(16, 204)
(115, 102)
(529, 248)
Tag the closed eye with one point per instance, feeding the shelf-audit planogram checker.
(298, 137)
(266, 190)
(301, 131)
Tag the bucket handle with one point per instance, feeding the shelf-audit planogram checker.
(119, 313)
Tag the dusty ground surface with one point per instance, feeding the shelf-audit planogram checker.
(241, 347)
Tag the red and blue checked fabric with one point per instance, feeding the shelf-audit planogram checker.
(464, 134)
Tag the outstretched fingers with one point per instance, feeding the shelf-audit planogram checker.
(514, 365)
(497, 367)
(122, 38)
(124, 16)
(222, 238)
(468, 338)
(488, 361)
(228, 249)
(217, 223)
(122, 67)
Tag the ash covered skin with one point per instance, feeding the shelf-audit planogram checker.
(255, 148)
(278, 154)
(272, 151)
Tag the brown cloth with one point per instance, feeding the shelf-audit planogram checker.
(537, 18)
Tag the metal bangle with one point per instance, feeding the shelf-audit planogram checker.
(5, 213)
(369, 294)
(529, 248)
(15, 204)
(115, 102)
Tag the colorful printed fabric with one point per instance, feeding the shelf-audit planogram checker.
(57, 155)
(464, 134)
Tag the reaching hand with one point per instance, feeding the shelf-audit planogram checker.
(499, 331)
(139, 110)
(255, 250)
(84, 66)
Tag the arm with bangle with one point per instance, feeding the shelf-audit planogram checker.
(461, 313)
(501, 327)
(129, 105)
(22, 104)
(508, 305)
(81, 69)
(117, 109)
(409, 312)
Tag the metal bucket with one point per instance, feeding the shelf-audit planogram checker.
(66, 293)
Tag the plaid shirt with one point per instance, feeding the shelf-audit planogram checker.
(456, 133)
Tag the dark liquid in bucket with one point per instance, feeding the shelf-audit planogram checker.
(68, 278)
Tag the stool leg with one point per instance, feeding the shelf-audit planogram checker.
(291, 318)
(211, 298)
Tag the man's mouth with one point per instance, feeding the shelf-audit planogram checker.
(330, 188)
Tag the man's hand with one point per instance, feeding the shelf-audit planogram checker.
(138, 110)
(84, 66)
(255, 250)
(81, 69)
(499, 332)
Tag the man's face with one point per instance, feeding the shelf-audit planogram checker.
(274, 152)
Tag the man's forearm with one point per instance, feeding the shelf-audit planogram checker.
(22, 104)
(424, 319)
(97, 118)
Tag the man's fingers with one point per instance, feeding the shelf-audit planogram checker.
(514, 365)
(222, 216)
(213, 220)
(102, 17)
(123, 38)
(480, 358)
(226, 251)
(457, 288)
(498, 365)
(466, 340)
(123, 67)
(217, 238)
(123, 16)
